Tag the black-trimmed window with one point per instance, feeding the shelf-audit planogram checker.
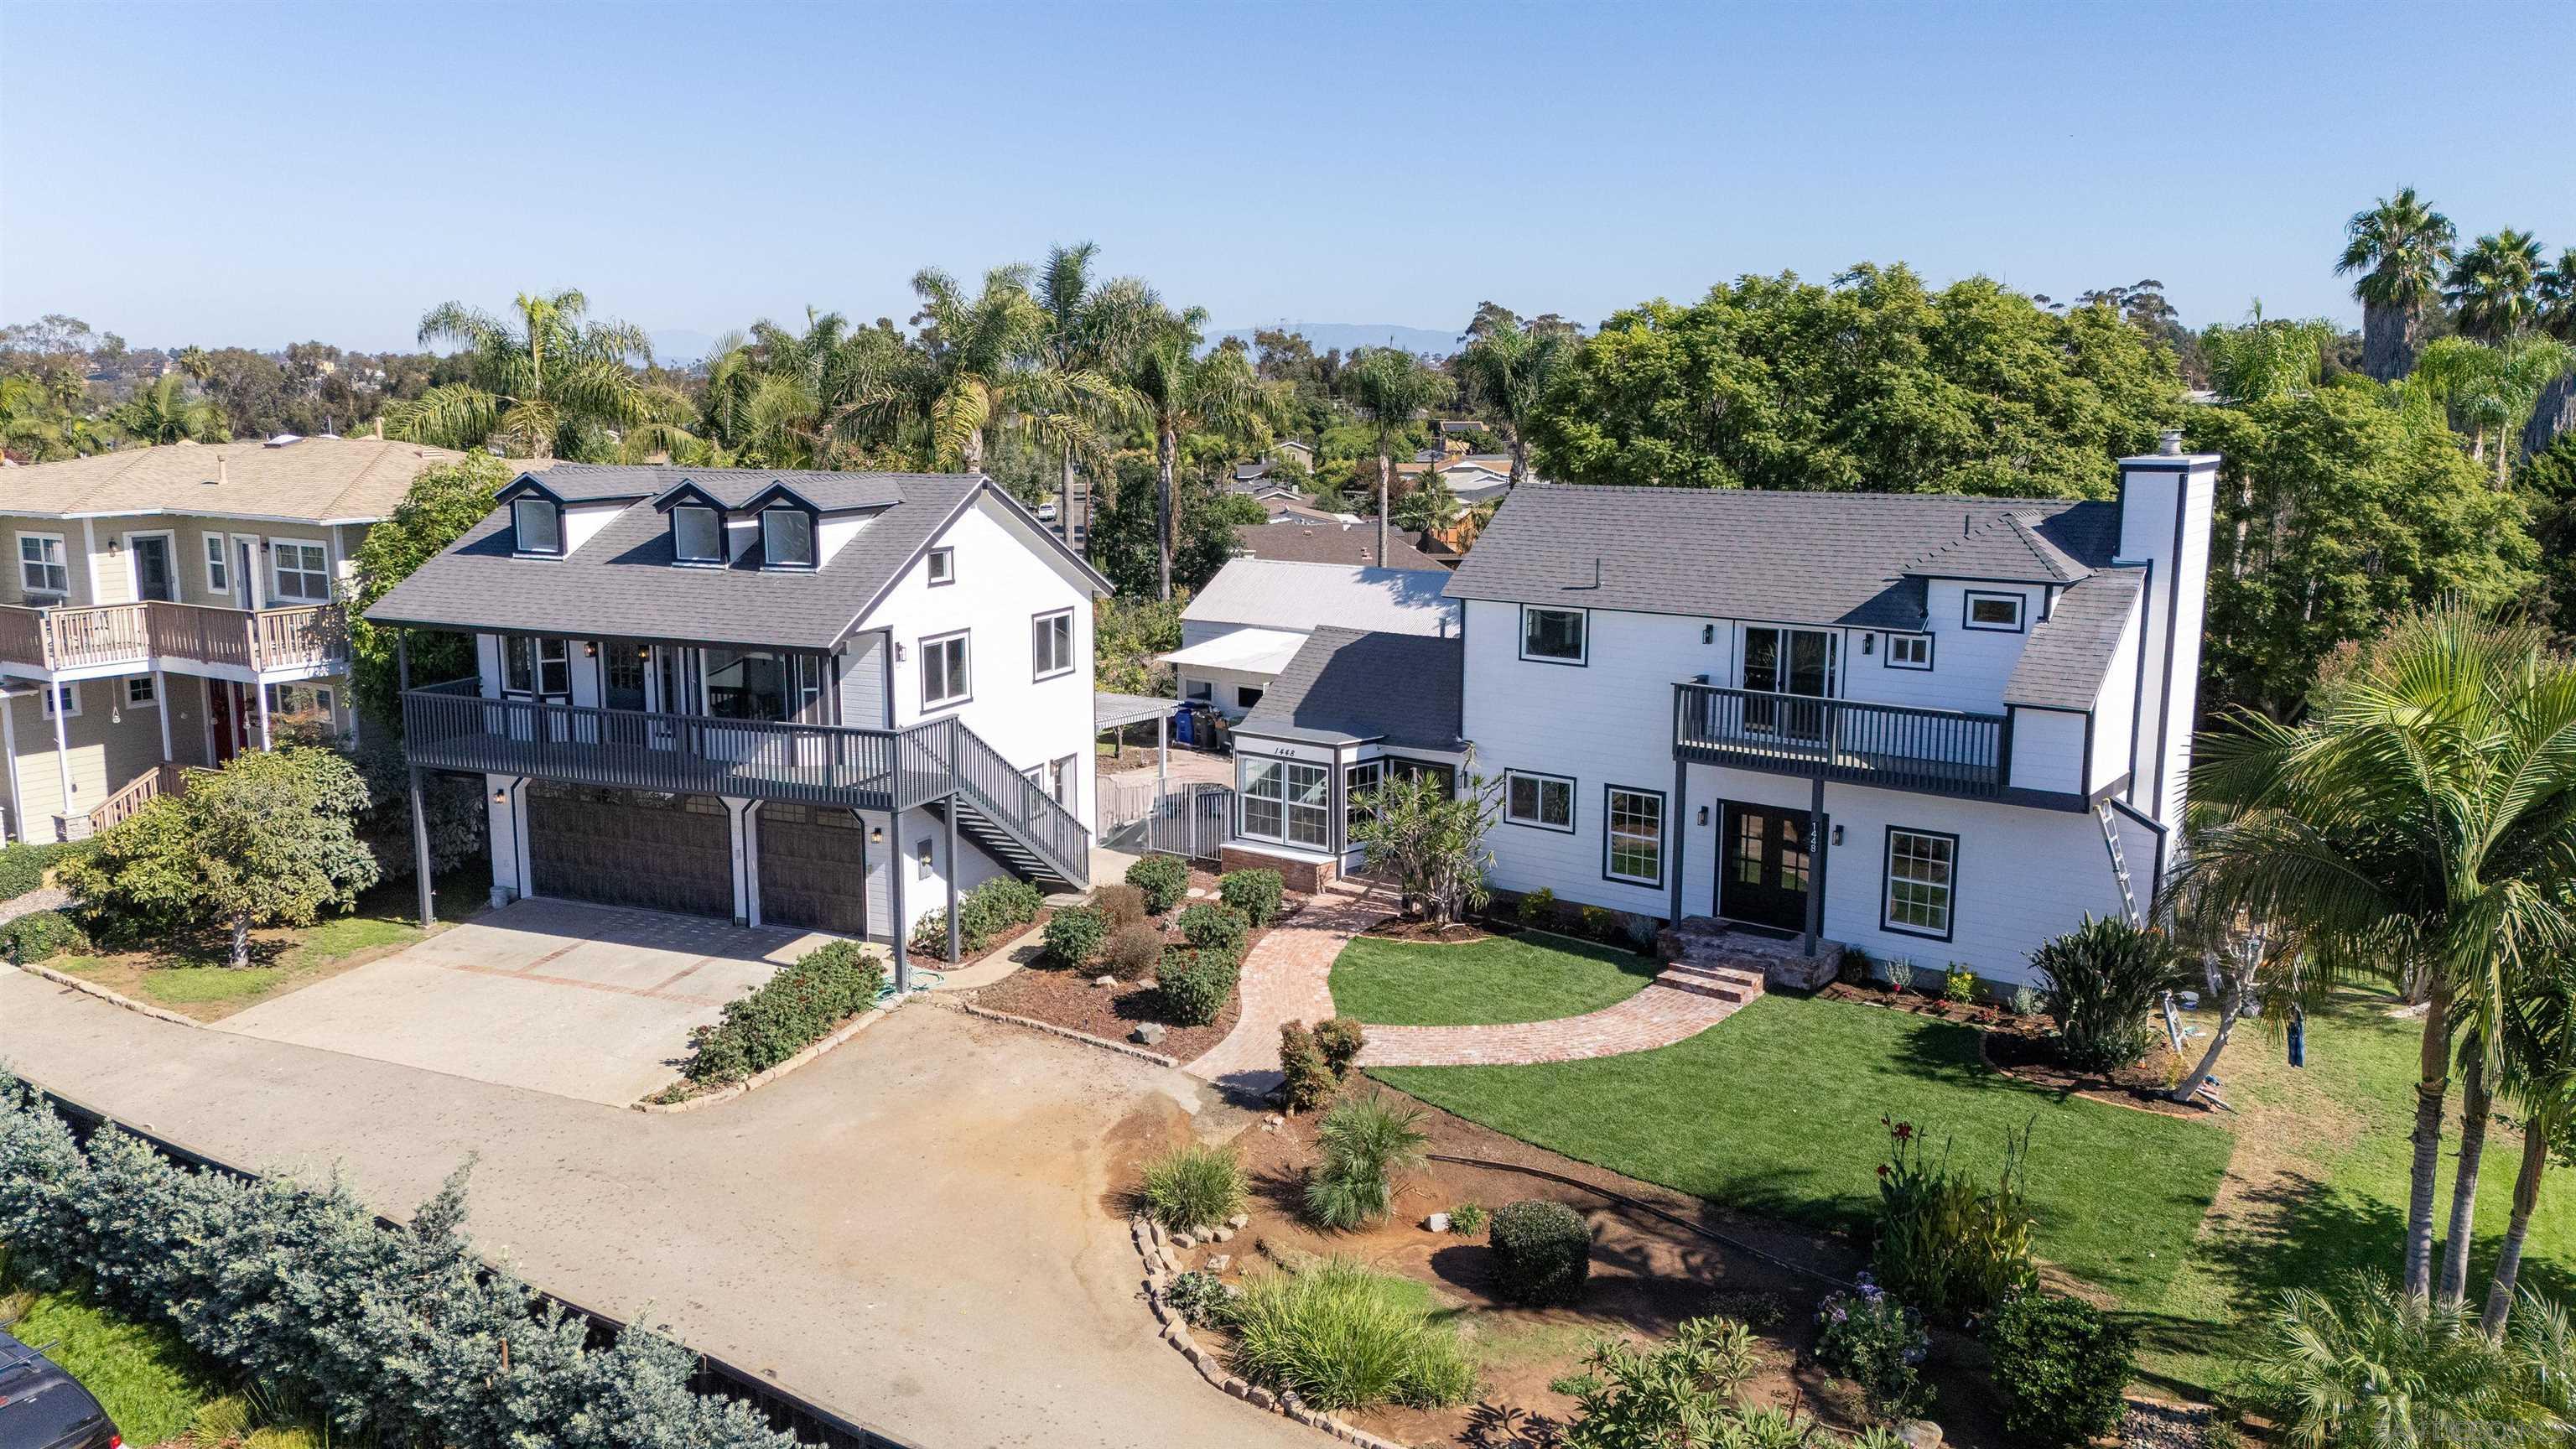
(1632, 847)
(786, 538)
(1922, 882)
(1909, 651)
(2000, 613)
(1554, 636)
(945, 672)
(1051, 644)
(536, 526)
(942, 565)
(538, 668)
(1544, 802)
(697, 534)
(1357, 781)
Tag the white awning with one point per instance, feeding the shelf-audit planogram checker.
(1253, 651)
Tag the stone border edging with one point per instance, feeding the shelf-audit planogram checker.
(1160, 1268)
(1051, 1029)
(113, 998)
(840, 1034)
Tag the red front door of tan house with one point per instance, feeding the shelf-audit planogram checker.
(228, 715)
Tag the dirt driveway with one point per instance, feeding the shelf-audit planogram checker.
(590, 1002)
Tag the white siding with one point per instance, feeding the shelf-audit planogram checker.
(863, 682)
(2047, 750)
(2115, 708)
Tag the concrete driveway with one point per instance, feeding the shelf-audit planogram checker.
(915, 1229)
(590, 1002)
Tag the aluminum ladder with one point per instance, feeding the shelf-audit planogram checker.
(2119, 862)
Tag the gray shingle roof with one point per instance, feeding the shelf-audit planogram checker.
(1797, 558)
(1307, 541)
(2062, 664)
(735, 487)
(1347, 685)
(620, 584)
(2010, 549)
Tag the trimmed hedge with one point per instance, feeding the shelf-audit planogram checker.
(1164, 879)
(41, 936)
(1256, 893)
(982, 913)
(789, 1012)
(1542, 1252)
(1075, 934)
(2062, 1367)
(23, 866)
(1212, 927)
(393, 1335)
(1196, 983)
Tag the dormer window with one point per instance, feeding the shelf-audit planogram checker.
(538, 525)
(697, 535)
(787, 538)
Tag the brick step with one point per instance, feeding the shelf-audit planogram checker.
(1726, 991)
(1721, 975)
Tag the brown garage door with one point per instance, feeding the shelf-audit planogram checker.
(621, 848)
(812, 870)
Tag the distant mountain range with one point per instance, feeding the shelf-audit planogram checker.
(1327, 336)
(678, 346)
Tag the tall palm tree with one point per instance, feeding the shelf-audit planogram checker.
(195, 362)
(2487, 389)
(967, 350)
(1091, 332)
(2420, 820)
(2493, 286)
(2400, 247)
(542, 383)
(1183, 392)
(165, 412)
(2555, 296)
(2539, 1035)
(1390, 385)
(802, 400)
(1510, 367)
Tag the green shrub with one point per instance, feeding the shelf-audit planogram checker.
(1135, 951)
(999, 904)
(1200, 1297)
(1466, 1220)
(1366, 1141)
(2359, 1363)
(1878, 1343)
(1119, 905)
(1344, 1338)
(1256, 893)
(1307, 1081)
(41, 936)
(1682, 1391)
(796, 1007)
(1212, 927)
(1196, 984)
(23, 866)
(930, 933)
(1341, 1040)
(2103, 980)
(1946, 1245)
(1195, 1186)
(1074, 935)
(1959, 984)
(1537, 908)
(1164, 879)
(1542, 1253)
(1602, 924)
(2063, 1368)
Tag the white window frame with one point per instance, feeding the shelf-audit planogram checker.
(941, 566)
(769, 543)
(70, 695)
(705, 560)
(1583, 636)
(59, 561)
(219, 564)
(1358, 778)
(1043, 639)
(277, 570)
(151, 697)
(1201, 691)
(1541, 784)
(1894, 661)
(1612, 834)
(1974, 597)
(964, 671)
(1944, 890)
(1271, 791)
(519, 536)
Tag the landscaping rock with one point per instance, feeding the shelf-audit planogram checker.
(1261, 1398)
(1919, 1434)
(1221, 1235)
(1104, 980)
(1436, 1223)
(1239, 1221)
(1148, 1033)
(1185, 1240)
(1219, 1262)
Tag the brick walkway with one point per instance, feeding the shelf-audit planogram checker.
(1288, 978)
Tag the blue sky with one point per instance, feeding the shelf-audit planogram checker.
(259, 173)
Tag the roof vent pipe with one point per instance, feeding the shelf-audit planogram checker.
(221, 475)
(2169, 443)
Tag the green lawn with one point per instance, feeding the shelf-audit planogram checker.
(1776, 1113)
(149, 1382)
(1505, 978)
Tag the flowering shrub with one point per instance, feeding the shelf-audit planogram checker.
(1870, 1338)
(1944, 1243)
(1959, 984)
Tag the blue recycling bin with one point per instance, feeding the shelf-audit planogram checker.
(1181, 725)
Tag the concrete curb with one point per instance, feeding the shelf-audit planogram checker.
(1051, 1029)
(1161, 1266)
(844, 1032)
(115, 998)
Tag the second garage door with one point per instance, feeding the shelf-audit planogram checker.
(812, 869)
(622, 848)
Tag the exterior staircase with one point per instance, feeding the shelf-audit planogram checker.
(1009, 818)
(1722, 983)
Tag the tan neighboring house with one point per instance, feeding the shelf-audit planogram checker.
(174, 606)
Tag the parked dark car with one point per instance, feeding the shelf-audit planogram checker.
(42, 1407)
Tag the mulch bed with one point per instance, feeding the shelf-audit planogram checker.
(1023, 938)
(2019, 1046)
(1429, 933)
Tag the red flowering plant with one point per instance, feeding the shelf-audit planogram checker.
(1945, 1244)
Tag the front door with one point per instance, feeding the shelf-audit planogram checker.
(228, 717)
(1795, 662)
(254, 589)
(153, 578)
(1766, 867)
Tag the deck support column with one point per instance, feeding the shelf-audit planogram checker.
(951, 872)
(1815, 868)
(420, 865)
(402, 659)
(898, 861)
(1678, 828)
(266, 741)
(17, 792)
(161, 701)
(62, 751)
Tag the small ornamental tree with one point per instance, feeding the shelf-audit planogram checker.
(1431, 841)
(441, 504)
(270, 839)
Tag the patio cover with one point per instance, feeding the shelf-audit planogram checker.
(1253, 651)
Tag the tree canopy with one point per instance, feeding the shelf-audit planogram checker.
(441, 504)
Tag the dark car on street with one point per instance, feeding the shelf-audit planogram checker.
(42, 1407)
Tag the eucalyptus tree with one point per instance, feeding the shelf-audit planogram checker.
(166, 412)
(541, 383)
(1182, 391)
(2493, 286)
(2421, 820)
(1508, 367)
(2400, 247)
(1390, 385)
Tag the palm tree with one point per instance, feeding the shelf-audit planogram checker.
(2400, 247)
(1391, 385)
(2540, 1075)
(165, 412)
(1180, 392)
(2493, 286)
(2483, 389)
(196, 362)
(2266, 356)
(967, 350)
(802, 400)
(1090, 332)
(542, 384)
(2419, 820)
(1510, 367)
(2555, 298)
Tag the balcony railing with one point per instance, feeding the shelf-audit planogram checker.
(1893, 747)
(311, 636)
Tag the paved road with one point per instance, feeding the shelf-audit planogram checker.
(909, 1229)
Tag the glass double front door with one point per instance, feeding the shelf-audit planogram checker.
(1767, 866)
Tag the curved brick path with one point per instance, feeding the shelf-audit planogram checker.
(1287, 978)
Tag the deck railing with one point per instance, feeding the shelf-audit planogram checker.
(1894, 747)
(1019, 804)
(308, 636)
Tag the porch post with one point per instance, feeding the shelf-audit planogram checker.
(161, 701)
(62, 750)
(951, 871)
(9, 745)
(1678, 828)
(1162, 752)
(265, 741)
(402, 658)
(1815, 868)
(898, 863)
(420, 867)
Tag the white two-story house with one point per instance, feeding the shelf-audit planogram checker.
(1931, 727)
(828, 700)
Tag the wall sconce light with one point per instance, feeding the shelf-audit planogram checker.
(876, 835)
(501, 796)
(590, 649)
(1868, 643)
(1703, 815)
(115, 545)
(1838, 835)
(898, 651)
